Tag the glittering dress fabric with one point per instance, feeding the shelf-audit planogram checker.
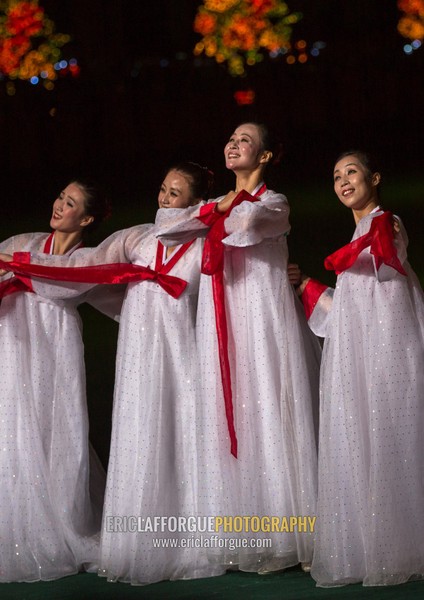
(153, 469)
(49, 526)
(274, 361)
(154, 450)
(370, 519)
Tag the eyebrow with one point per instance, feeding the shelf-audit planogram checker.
(173, 188)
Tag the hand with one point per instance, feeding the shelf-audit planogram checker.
(396, 226)
(304, 280)
(294, 273)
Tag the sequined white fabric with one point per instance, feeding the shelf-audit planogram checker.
(153, 470)
(370, 520)
(48, 525)
(274, 371)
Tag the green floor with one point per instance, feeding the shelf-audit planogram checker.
(292, 584)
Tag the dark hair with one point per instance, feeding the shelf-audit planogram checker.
(366, 160)
(200, 179)
(270, 141)
(97, 204)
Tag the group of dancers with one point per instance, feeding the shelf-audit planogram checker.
(223, 405)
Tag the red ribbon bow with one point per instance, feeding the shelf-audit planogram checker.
(380, 240)
(113, 273)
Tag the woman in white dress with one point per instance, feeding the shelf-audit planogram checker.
(154, 448)
(259, 366)
(49, 524)
(153, 456)
(370, 519)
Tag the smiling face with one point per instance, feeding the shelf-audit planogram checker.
(355, 185)
(69, 211)
(175, 191)
(244, 150)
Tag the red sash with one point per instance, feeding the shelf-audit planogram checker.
(114, 273)
(213, 264)
(109, 273)
(380, 240)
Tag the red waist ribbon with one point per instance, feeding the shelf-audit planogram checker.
(112, 273)
(213, 265)
(380, 240)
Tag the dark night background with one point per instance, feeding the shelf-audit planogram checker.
(126, 117)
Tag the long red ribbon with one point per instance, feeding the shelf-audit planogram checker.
(213, 264)
(380, 240)
(113, 273)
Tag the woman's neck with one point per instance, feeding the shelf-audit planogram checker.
(63, 242)
(363, 212)
(248, 181)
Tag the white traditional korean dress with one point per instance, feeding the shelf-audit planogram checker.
(49, 523)
(370, 519)
(274, 364)
(153, 470)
